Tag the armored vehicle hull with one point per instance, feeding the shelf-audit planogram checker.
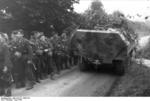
(97, 47)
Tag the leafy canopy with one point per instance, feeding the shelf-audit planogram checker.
(40, 15)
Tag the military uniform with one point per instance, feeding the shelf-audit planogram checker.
(43, 53)
(58, 53)
(64, 48)
(43, 57)
(54, 56)
(39, 54)
(22, 59)
(5, 71)
(36, 60)
(49, 53)
(47, 56)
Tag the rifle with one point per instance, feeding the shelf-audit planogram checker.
(33, 65)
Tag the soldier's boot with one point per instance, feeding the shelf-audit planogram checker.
(71, 61)
(37, 77)
(2, 92)
(58, 67)
(44, 76)
(66, 64)
(58, 70)
(30, 80)
(37, 80)
(69, 65)
(77, 60)
(39, 74)
(61, 64)
(42, 70)
(52, 76)
(20, 85)
(45, 72)
(74, 62)
(40, 77)
(8, 91)
(29, 85)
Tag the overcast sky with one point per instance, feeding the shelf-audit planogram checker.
(131, 7)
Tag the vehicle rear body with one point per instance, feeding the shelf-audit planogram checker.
(100, 46)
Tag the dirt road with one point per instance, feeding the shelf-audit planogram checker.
(74, 83)
(145, 62)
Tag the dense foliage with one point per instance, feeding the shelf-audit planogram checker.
(56, 16)
(96, 18)
(40, 15)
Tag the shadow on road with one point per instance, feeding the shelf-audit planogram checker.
(106, 68)
(102, 69)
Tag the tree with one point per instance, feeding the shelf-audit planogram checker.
(95, 15)
(118, 20)
(40, 15)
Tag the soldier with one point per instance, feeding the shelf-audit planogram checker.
(57, 52)
(22, 60)
(65, 56)
(44, 46)
(43, 53)
(36, 59)
(72, 55)
(5, 68)
(52, 68)
(39, 54)
(50, 62)
(47, 53)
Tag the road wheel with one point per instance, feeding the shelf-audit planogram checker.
(119, 67)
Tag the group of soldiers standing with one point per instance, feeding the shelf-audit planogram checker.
(24, 62)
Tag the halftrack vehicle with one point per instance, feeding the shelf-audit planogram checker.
(97, 47)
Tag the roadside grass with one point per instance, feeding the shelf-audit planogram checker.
(136, 82)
